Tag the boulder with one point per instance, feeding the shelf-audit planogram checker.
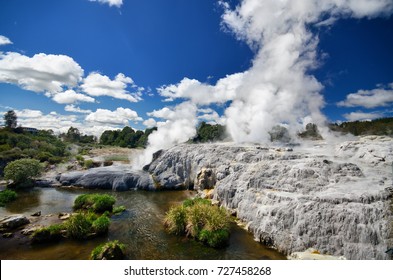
(117, 178)
(109, 251)
(13, 222)
(205, 179)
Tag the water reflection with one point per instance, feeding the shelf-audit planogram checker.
(140, 228)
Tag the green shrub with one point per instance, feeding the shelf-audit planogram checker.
(118, 210)
(84, 225)
(44, 156)
(192, 201)
(48, 234)
(7, 196)
(78, 226)
(98, 203)
(197, 218)
(216, 239)
(88, 164)
(21, 171)
(113, 250)
(80, 159)
(175, 220)
(101, 225)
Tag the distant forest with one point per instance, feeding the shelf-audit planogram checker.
(375, 127)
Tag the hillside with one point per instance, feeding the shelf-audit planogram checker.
(375, 127)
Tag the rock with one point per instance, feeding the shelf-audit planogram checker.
(313, 254)
(64, 216)
(30, 230)
(36, 214)
(325, 197)
(206, 179)
(207, 193)
(117, 178)
(13, 222)
(110, 251)
(8, 235)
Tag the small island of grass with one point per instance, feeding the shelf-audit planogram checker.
(198, 219)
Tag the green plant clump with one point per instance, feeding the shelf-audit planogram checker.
(113, 250)
(88, 164)
(118, 210)
(97, 203)
(85, 225)
(101, 225)
(7, 196)
(199, 219)
(48, 234)
(22, 171)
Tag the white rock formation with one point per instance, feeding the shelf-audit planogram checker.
(337, 200)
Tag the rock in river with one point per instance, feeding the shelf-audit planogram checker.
(117, 178)
(13, 222)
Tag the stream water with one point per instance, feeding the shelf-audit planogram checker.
(140, 228)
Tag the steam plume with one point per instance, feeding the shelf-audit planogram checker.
(279, 87)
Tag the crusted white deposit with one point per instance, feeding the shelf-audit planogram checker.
(334, 198)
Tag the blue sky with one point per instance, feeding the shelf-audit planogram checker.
(104, 64)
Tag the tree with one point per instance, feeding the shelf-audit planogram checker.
(10, 119)
(73, 134)
(21, 171)
(209, 133)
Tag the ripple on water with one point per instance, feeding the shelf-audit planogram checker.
(139, 227)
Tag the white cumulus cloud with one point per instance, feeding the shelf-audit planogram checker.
(116, 3)
(121, 116)
(40, 73)
(4, 40)
(75, 109)
(37, 119)
(96, 84)
(70, 96)
(378, 97)
(150, 123)
(203, 94)
(362, 116)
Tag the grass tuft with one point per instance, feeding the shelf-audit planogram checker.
(198, 219)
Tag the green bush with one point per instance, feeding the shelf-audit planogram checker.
(88, 164)
(176, 220)
(7, 196)
(98, 203)
(113, 250)
(21, 171)
(84, 225)
(216, 239)
(48, 234)
(197, 218)
(80, 159)
(101, 225)
(78, 226)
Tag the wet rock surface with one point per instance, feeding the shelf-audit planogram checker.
(12, 222)
(119, 178)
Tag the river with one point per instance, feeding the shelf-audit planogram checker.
(140, 228)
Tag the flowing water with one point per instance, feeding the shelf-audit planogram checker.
(140, 228)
